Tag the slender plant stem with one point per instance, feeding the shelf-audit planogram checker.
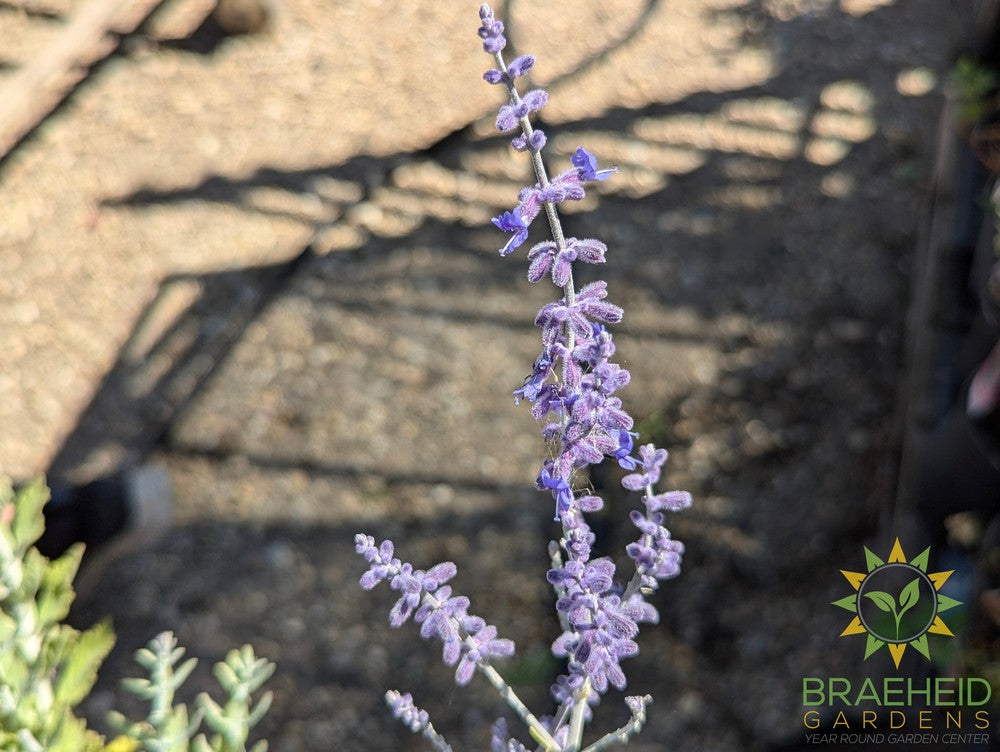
(431, 734)
(626, 732)
(577, 719)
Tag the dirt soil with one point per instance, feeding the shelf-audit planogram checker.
(265, 263)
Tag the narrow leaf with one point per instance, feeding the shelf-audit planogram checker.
(909, 596)
(85, 657)
(883, 600)
(28, 523)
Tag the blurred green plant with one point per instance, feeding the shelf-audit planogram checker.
(169, 727)
(975, 88)
(47, 668)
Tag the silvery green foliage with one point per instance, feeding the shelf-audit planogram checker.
(169, 727)
(46, 667)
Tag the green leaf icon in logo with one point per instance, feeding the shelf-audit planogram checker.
(919, 601)
(883, 600)
(908, 598)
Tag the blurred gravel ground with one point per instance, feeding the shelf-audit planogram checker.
(268, 266)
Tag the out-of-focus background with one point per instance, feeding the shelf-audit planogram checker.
(264, 262)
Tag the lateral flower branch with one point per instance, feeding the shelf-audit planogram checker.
(571, 388)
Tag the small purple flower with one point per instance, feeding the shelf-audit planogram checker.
(520, 65)
(510, 115)
(586, 166)
(558, 485)
(589, 304)
(623, 453)
(652, 460)
(383, 566)
(535, 141)
(561, 189)
(585, 445)
(656, 554)
(671, 501)
(478, 649)
(597, 410)
(412, 584)
(515, 69)
(589, 503)
(602, 637)
(549, 399)
(541, 257)
(547, 256)
(442, 620)
(529, 203)
(607, 378)
(512, 222)
(579, 540)
(532, 386)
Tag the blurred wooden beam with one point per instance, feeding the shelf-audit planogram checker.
(37, 87)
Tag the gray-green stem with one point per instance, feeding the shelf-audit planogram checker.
(569, 298)
(626, 732)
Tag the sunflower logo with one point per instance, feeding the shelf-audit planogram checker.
(897, 603)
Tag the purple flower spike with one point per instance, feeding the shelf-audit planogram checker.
(512, 222)
(468, 640)
(491, 31)
(586, 166)
(572, 389)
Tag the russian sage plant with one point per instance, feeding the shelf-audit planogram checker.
(571, 388)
